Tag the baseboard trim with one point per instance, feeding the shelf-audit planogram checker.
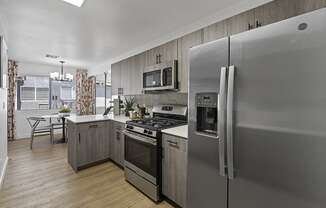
(3, 173)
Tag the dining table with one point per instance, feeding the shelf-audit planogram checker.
(63, 119)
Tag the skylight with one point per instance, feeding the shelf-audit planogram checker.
(77, 3)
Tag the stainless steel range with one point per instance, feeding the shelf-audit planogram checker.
(143, 148)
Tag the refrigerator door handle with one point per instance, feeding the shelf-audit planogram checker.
(221, 120)
(229, 122)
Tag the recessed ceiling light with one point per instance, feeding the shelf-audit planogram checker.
(77, 3)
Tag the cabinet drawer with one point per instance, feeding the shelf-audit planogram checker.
(177, 142)
(118, 126)
(91, 125)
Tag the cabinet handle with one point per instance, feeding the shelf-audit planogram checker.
(79, 138)
(93, 126)
(159, 58)
(156, 59)
(173, 144)
(250, 26)
(258, 24)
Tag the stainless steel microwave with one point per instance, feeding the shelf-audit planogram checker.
(162, 76)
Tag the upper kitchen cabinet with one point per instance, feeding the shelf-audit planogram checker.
(116, 77)
(163, 53)
(304, 6)
(127, 74)
(241, 22)
(278, 10)
(125, 79)
(184, 44)
(137, 74)
(215, 31)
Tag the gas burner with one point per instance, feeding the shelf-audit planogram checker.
(156, 123)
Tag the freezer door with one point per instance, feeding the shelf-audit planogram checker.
(280, 115)
(206, 185)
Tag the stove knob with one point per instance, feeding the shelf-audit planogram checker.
(150, 132)
(130, 127)
(145, 131)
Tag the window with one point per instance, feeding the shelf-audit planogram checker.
(33, 93)
(39, 92)
(66, 93)
(42, 93)
(27, 94)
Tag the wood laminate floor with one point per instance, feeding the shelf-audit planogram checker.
(43, 178)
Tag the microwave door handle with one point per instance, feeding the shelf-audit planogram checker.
(229, 122)
(221, 120)
(162, 78)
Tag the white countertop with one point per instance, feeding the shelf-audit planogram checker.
(180, 131)
(93, 118)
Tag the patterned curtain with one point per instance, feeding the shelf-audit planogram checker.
(12, 76)
(85, 93)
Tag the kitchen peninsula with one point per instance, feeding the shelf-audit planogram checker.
(94, 139)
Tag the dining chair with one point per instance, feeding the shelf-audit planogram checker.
(57, 124)
(37, 130)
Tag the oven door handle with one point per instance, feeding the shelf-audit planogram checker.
(142, 138)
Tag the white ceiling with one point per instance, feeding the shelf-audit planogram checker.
(103, 30)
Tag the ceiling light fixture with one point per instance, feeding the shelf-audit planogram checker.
(61, 76)
(77, 3)
(51, 56)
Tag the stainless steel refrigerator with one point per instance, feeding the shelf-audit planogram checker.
(257, 118)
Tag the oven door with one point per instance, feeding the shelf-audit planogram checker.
(141, 155)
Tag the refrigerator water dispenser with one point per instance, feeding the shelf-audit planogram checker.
(206, 104)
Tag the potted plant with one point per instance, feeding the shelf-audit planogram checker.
(64, 111)
(129, 103)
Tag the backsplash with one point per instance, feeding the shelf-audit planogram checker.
(166, 98)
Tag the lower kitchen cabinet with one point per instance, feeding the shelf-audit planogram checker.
(174, 167)
(117, 143)
(88, 143)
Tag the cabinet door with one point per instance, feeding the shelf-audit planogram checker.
(168, 51)
(121, 155)
(115, 77)
(304, 6)
(175, 169)
(241, 22)
(162, 53)
(117, 144)
(73, 144)
(137, 73)
(151, 56)
(112, 140)
(275, 11)
(215, 31)
(101, 147)
(85, 145)
(279, 10)
(184, 44)
(125, 75)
